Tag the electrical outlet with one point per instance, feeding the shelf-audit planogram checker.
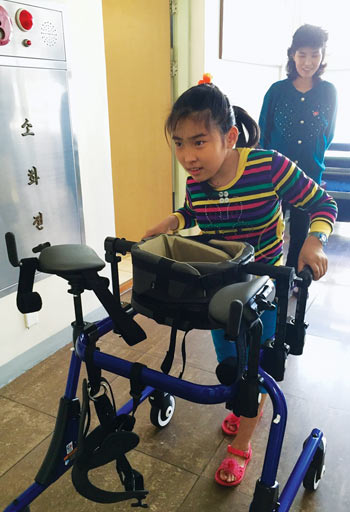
(31, 319)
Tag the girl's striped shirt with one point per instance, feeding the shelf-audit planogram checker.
(248, 209)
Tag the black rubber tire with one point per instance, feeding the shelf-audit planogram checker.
(316, 469)
(160, 416)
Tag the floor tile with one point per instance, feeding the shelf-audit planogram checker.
(179, 442)
(320, 374)
(162, 480)
(208, 496)
(41, 387)
(21, 430)
(329, 315)
(199, 348)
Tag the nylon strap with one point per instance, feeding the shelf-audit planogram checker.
(123, 323)
(136, 387)
(169, 357)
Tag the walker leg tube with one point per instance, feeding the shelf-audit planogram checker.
(25, 498)
(297, 475)
(265, 498)
(277, 430)
(266, 491)
(73, 377)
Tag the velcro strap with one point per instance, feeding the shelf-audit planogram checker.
(96, 454)
(123, 323)
(100, 447)
(169, 357)
(136, 387)
(164, 268)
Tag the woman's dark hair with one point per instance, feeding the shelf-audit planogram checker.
(205, 102)
(307, 36)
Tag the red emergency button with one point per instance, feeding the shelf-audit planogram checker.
(24, 19)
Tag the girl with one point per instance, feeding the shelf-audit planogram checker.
(298, 118)
(235, 192)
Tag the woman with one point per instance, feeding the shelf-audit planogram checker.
(298, 119)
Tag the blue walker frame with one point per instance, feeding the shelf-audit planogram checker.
(266, 497)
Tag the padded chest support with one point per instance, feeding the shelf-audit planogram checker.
(174, 277)
(219, 306)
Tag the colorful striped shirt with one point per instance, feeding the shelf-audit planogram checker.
(248, 208)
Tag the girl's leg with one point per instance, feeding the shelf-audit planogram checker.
(225, 349)
(242, 440)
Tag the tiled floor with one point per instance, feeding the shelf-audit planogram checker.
(178, 462)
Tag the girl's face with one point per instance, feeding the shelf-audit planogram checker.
(307, 61)
(202, 152)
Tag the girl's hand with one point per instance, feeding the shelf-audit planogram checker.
(171, 223)
(312, 254)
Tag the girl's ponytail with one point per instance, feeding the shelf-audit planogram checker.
(246, 124)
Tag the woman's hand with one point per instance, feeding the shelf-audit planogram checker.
(312, 254)
(171, 223)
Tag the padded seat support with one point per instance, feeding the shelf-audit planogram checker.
(69, 259)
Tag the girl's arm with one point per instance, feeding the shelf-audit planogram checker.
(170, 223)
(292, 184)
(183, 218)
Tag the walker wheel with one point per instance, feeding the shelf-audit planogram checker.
(316, 469)
(162, 408)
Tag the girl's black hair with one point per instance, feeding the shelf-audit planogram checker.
(205, 102)
(307, 36)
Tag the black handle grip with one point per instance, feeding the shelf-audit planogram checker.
(12, 249)
(40, 247)
(275, 272)
(118, 245)
(306, 275)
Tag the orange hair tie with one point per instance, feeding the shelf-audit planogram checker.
(207, 77)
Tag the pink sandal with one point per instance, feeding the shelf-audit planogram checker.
(233, 421)
(232, 467)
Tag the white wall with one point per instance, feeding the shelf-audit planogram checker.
(257, 35)
(88, 100)
(244, 83)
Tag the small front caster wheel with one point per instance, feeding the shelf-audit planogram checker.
(316, 469)
(162, 409)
